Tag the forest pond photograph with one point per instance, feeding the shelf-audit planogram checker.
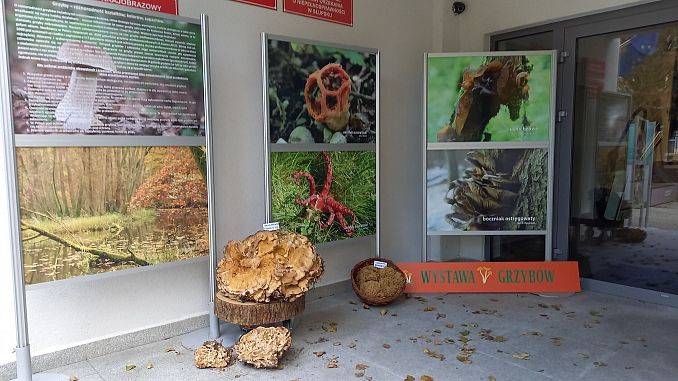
(89, 210)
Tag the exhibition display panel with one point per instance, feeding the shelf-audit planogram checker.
(488, 133)
(321, 105)
(109, 144)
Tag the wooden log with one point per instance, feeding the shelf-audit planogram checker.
(251, 314)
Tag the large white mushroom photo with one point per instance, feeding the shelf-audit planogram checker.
(76, 109)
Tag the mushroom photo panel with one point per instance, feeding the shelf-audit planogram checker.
(488, 134)
(321, 129)
(80, 69)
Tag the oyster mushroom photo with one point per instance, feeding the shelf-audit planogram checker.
(493, 98)
(487, 190)
(76, 108)
(321, 94)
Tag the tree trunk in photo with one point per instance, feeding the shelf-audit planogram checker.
(532, 173)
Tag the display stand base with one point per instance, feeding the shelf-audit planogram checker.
(230, 333)
(48, 377)
(249, 314)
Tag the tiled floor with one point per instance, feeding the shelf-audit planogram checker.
(587, 336)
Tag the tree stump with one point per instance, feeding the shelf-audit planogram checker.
(251, 314)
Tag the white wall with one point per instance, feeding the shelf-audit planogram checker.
(67, 313)
(468, 31)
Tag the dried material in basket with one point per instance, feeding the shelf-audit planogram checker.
(377, 283)
(269, 266)
(212, 355)
(263, 346)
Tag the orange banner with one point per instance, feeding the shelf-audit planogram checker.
(472, 277)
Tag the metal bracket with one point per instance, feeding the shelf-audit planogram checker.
(562, 56)
(562, 114)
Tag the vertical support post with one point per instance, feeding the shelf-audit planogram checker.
(214, 321)
(267, 128)
(378, 182)
(23, 351)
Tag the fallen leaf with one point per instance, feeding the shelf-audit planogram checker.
(409, 378)
(464, 359)
(365, 306)
(595, 313)
(361, 366)
(386, 345)
(533, 333)
(449, 325)
(556, 341)
(336, 343)
(426, 378)
(521, 356)
(464, 333)
(329, 326)
(437, 331)
(491, 378)
(319, 354)
(73, 378)
(352, 345)
(150, 365)
(441, 316)
(130, 367)
(599, 364)
(333, 363)
(434, 354)
(429, 309)
(352, 302)
(383, 311)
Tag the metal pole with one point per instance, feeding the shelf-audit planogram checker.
(23, 351)
(214, 321)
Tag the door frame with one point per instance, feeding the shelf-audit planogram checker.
(565, 36)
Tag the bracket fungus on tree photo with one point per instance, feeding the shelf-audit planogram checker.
(76, 109)
(212, 354)
(326, 92)
(500, 81)
(264, 346)
(269, 266)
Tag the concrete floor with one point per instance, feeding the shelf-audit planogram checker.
(587, 336)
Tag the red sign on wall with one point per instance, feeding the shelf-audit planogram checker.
(439, 277)
(164, 6)
(336, 11)
(270, 4)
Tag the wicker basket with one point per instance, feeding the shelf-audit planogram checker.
(373, 301)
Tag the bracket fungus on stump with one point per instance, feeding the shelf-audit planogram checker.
(326, 93)
(263, 346)
(212, 354)
(269, 266)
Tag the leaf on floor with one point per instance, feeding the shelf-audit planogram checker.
(383, 311)
(521, 356)
(449, 325)
(429, 309)
(333, 363)
(386, 345)
(434, 354)
(491, 378)
(595, 313)
(533, 333)
(465, 359)
(426, 378)
(360, 366)
(440, 316)
(409, 378)
(130, 367)
(599, 364)
(319, 353)
(150, 365)
(329, 326)
(556, 341)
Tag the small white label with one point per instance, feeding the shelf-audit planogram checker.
(272, 226)
(380, 264)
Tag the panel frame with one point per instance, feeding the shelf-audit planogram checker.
(539, 144)
(316, 147)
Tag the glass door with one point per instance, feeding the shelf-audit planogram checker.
(624, 178)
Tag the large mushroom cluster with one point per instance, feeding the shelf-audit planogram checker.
(263, 346)
(269, 266)
(483, 191)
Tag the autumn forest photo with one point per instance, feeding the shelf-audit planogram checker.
(88, 210)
